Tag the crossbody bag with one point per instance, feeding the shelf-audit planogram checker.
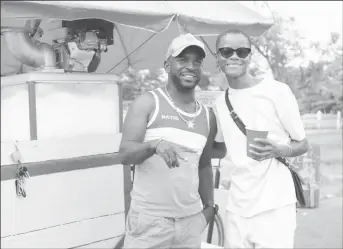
(295, 176)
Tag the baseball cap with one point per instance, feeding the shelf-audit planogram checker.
(181, 42)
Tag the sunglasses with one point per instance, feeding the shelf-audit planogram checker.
(240, 52)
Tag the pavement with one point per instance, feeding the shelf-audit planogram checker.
(320, 227)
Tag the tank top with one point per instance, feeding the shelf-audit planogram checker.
(157, 189)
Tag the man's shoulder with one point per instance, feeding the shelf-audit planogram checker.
(144, 102)
(275, 84)
(274, 87)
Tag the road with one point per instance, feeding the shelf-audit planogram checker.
(320, 227)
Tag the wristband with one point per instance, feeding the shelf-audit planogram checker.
(159, 141)
(214, 206)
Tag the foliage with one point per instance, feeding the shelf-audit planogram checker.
(136, 82)
(312, 70)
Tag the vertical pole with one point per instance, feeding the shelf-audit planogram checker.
(319, 119)
(32, 110)
(120, 99)
(217, 178)
(211, 223)
(338, 120)
(316, 158)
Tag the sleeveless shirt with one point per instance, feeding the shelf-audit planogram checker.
(157, 189)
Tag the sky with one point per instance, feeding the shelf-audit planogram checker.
(315, 19)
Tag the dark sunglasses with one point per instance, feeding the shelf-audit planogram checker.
(228, 52)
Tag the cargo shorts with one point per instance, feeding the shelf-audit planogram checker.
(146, 231)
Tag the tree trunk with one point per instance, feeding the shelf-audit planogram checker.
(267, 59)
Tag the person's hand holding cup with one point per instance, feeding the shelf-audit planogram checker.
(260, 148)
(253, 147)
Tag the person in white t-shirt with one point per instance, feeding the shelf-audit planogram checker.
(261, 210)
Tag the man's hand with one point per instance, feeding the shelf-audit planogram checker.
(171, 152)
(267, 149)
(208, 212)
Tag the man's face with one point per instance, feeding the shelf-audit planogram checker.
(185, 69)
(233, 64)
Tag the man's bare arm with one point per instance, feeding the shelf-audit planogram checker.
(291, 120)
(206, 188)
(272, 149)
(218, 150)
(298, 148)
(132, 148)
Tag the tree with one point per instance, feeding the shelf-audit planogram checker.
(279, 46)
(317, 83)
(136, 82)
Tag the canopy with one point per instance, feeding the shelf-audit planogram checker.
(143, 29)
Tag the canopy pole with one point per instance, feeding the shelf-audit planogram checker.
(127, 55)
(32, 109)
(122, 43)
(208, 47)
(182, 30)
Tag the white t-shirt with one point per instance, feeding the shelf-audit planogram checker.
(266, 185)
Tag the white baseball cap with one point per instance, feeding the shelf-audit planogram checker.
(181, 42)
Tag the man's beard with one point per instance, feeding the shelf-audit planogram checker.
(177, 83)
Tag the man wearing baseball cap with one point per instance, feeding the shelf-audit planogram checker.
(169, 136)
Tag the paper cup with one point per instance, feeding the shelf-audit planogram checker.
(251, 135)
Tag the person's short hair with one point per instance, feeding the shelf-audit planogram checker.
(232, 31)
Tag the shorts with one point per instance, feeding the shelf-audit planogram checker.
(270, 229)
(146, 231)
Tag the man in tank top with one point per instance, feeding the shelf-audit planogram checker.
(169, 136)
